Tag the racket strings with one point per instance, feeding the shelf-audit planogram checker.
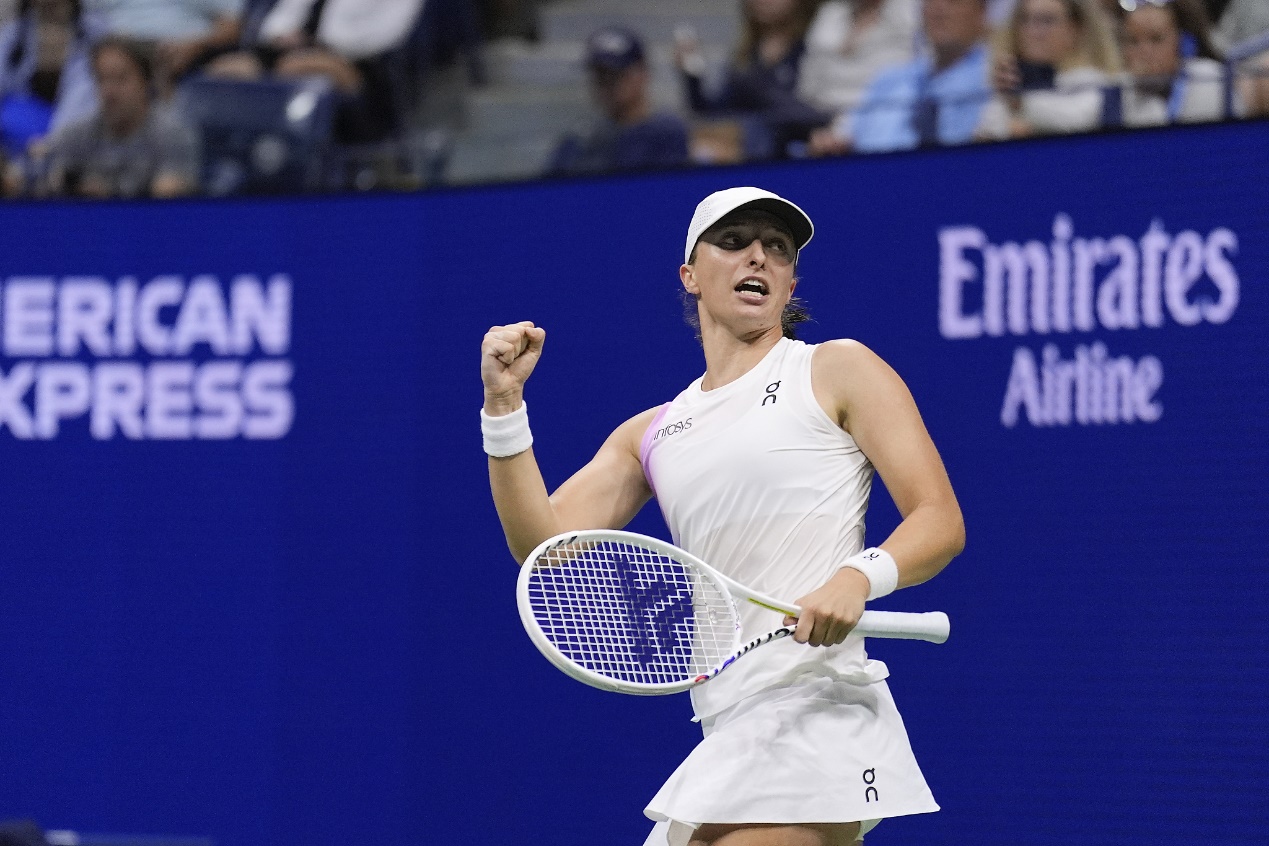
(631, 614)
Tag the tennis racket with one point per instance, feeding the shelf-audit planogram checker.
(634, 614)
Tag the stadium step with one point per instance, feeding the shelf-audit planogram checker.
(538, 92)
(510, 110)
(489, 158)
(715, 21)
(549, 63)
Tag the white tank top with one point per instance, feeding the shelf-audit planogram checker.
(756, 480)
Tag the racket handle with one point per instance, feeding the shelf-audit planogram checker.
(932, 626)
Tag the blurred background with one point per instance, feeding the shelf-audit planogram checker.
(255, 592)
(175, 97)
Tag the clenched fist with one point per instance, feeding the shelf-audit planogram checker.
(508, 355)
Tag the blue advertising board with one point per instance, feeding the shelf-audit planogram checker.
(255, 588)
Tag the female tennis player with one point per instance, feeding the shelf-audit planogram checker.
(762, 467)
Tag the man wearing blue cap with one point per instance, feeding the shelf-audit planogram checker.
(631, 136)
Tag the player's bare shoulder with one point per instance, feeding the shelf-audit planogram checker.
(844, 371)
(841, 352)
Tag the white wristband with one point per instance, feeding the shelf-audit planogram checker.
(878, 565)
(508, 434)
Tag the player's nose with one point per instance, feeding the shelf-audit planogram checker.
(757, 254)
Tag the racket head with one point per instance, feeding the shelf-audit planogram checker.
(625, 612)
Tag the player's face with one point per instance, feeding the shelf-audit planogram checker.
(743, 272)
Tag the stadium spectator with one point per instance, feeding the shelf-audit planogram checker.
(761, 79)
(128, 148)
(848, 43)
(1049, 66)
(46, 79)
(936, 99)
(345, 41)
(183, 34)
(1175, 74)
(1242, 21)
(631, 135)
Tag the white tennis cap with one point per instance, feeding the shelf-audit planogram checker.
(722, 203)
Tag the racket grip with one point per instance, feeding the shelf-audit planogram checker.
(932, 626)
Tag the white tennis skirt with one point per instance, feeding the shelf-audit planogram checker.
(819, 751)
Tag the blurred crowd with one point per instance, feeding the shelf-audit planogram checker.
(163, 98)
(834, 77)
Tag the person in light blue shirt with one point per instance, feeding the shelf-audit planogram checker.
(935, 100)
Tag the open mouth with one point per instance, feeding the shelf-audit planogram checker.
(752, 286)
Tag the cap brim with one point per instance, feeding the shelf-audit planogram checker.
(793, 217)
(719, 205)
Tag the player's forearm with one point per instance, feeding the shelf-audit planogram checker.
(524, 507)
(927, 539)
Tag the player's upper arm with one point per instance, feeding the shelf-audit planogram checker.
(611, 488)
(873, 404)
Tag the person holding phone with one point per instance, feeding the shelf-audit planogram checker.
(1049, 65)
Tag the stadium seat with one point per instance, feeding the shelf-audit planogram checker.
(264, 137)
